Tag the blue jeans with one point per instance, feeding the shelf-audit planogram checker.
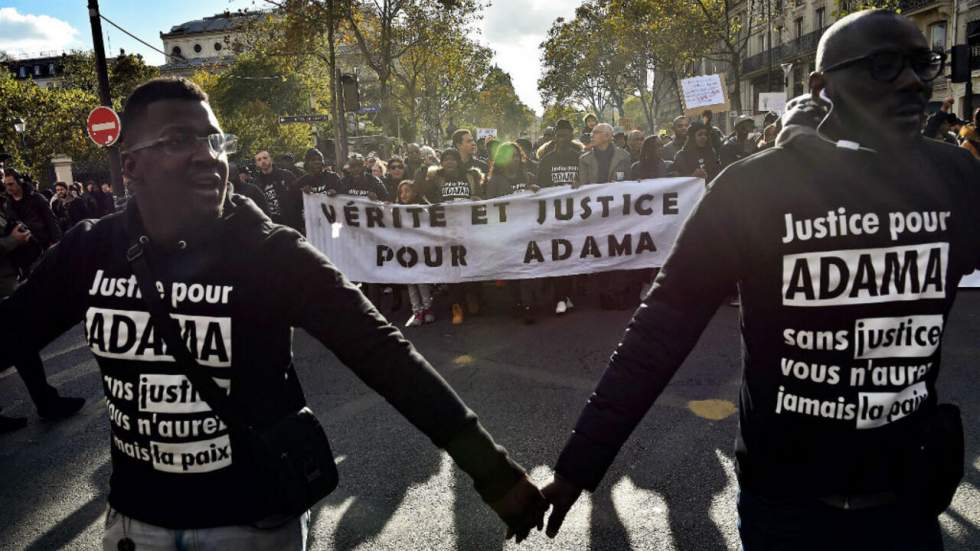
(290, 536)
(767, 524)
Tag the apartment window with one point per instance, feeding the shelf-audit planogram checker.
(779, 35)
(23, 71)
(762, 42)
(820, 18)
(779, 6)
(37, 70)
(799, 27)
(217, 46)
(197, 48)
(937, 36)
(176, 51)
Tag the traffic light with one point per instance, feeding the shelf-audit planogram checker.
(348, 88)
(959, 65)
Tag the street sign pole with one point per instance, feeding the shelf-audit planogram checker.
(101, 70)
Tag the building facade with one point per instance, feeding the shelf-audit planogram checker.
(209, 42)
(782, 49)
(45, 69)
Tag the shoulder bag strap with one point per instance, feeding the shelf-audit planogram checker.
(168, 329)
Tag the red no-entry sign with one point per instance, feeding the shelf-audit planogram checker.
(103, 126)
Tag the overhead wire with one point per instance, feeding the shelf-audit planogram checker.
(141, 41)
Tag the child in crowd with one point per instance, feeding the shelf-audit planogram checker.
(419, 294)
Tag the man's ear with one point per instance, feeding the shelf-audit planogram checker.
(817, 83)
(129, 168)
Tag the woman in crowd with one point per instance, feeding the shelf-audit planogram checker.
(379, 170)
(698, 157)
(651, 163)
(419, 294)
(395, 174)
(509, 174)
(449, 182)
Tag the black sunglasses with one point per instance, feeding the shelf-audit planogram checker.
(886, 66)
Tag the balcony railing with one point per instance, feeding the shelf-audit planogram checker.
(791, 50)
(915, 5)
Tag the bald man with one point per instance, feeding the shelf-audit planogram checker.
(847, 242)
(604, 162)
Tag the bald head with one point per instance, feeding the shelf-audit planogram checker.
(855, 35)
(601, 135)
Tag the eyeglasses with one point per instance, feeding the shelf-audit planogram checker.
(182, 144)
(887, 66)
(395, 167)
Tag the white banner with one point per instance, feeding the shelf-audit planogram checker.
(554, 232)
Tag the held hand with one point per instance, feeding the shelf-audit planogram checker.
(308, 190)
(947, 105)
(21, 233)
(372, 196)
(331, 192)
(522, 508)
(561, 494)
(535, 188)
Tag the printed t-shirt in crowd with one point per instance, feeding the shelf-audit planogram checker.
(361, 187)
(847, 265)
(275, 185)
(320, 183)
(559, 167)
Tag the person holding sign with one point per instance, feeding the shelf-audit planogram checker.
(847, 241)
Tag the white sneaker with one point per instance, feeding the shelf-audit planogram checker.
(414, 321)
(561, 308)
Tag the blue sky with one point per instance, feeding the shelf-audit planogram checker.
(30, 26)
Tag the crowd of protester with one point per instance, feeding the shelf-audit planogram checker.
(469, 168)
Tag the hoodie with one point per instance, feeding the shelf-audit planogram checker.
(174, 463)
(847, 263)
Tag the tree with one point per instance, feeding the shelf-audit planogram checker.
(126, 72)
(55, 123)
(249, 97)
(498, 106)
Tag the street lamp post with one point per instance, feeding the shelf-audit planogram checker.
(21, 128)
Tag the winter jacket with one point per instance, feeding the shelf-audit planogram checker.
(619, 167)
(693, 157)
(34, 212)
(8, 272)
(173, 463)
(733, 151)
(810, 234)
(439, 188)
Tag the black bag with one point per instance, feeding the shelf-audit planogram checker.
(290, 462)
(933, 461)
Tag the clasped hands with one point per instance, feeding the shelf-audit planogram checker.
(524, 505)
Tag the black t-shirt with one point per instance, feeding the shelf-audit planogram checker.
(275, 185)
(847, 265)
(455, 188)
(363, 186)
(559, 167)
(321, 183)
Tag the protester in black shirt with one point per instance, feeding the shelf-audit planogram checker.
(77, 207)
(464, 143)
(317, 179)
(280, 193)
(650, 163)
(698, 158)
(59, 205)
(840, 441)
(450, 182)
(508, 175)
(107, 199)
(680, 127)
(360, 183)
(197, 238)
(25, 206)
(241, 183)
(739, 146)
(559, 168)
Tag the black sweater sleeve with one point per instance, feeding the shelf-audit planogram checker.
(701, 270)
(335, 312)
(35, 315)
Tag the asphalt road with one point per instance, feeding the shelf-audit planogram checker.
(672, 486)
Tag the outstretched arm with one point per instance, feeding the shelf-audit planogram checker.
(702, 269)
(335, 312)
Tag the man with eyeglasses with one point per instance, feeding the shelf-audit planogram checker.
(847, 241)
(175, 483)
